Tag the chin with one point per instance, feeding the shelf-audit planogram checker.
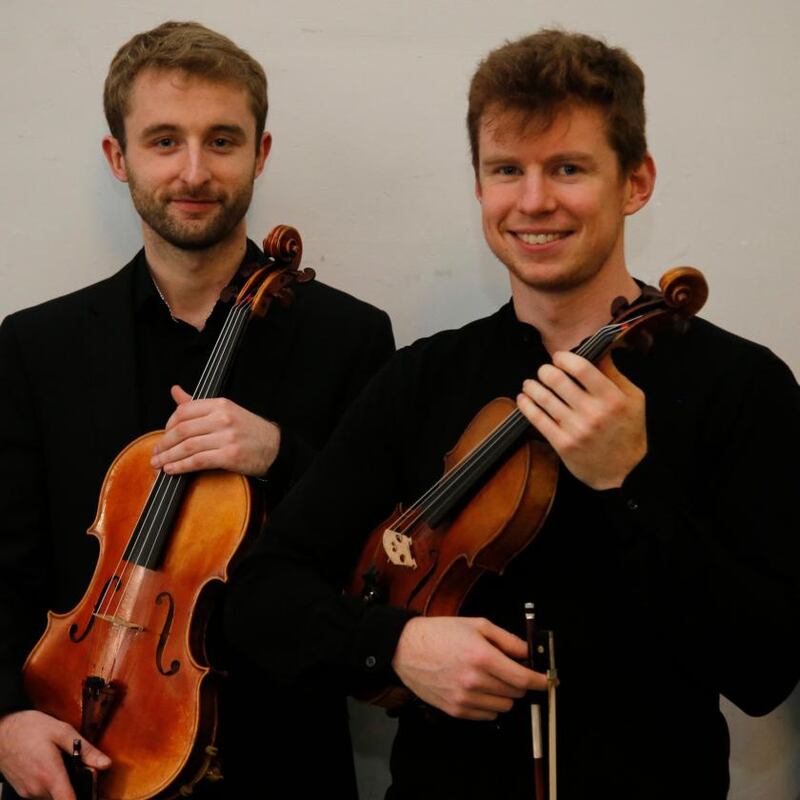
(543, 279)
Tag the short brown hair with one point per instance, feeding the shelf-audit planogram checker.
(186, 46)
(538, 74)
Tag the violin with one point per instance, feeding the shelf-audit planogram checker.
(127, 666)
(499, 483)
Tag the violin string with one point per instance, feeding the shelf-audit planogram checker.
(590, 349)
(213, 372)
(219, 359)
(154, 503)
(467, 464)
(165, 486)
(161, 485)
(472, 460)
(222, 349)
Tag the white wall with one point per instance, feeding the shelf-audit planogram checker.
(370, 163)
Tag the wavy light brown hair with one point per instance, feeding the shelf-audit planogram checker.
(191, 48)
(539, 74)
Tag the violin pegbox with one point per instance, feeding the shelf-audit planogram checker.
(284, 249)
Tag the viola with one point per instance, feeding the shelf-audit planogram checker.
(499, 483)
(127, 666)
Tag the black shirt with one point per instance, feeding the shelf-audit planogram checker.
(73, 371)
(168, 350)
(678, 587)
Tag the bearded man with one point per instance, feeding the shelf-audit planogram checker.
(85, 374)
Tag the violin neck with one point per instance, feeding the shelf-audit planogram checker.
(219, 363)
(151, 533)
(458, 483)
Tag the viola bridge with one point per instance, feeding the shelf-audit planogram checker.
(398, 549)
(119, 622)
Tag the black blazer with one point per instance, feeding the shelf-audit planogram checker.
(68, 404)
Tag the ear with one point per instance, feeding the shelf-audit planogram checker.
(478, 190)
(640, 184)
(115, 157)
(263, 152)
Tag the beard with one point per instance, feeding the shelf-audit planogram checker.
(189, 234)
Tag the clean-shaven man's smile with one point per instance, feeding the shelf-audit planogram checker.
(538, 239)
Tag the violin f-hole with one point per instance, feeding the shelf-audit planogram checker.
(164, 635)
(113, 584)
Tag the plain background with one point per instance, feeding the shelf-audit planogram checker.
(370, 162)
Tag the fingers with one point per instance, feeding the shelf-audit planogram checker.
(189, 448)
(478, 705)
(193, 454)
(507, 670)
(179, 395)
(187, 408)
(60, 787)
(463, 666)
(599, 379)
(90, 755)
(187, 438)
(215, 434)
(546, 412)
(569, 391)
(594, 421)
(31, 744)
(195, 434)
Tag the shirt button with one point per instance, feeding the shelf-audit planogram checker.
(371, 661)
(632, 504)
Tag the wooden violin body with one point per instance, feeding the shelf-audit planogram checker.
(497, 523)
(499, 483)
(127, 667)
(161, 718)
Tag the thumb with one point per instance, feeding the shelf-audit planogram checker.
(93, 757)
(179, 395)
(90, 755)
(508, 643)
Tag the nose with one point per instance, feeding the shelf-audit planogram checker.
(536, 195)
(194, 169)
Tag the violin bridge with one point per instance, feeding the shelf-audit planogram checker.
(398, 549)
(119, 622)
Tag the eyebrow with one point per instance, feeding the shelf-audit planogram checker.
(576, 155)
(572, 156)
(167, 127)
(498, 159)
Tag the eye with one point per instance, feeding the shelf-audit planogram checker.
(508, 170)
(568, 170)
(221, 143)
(164, 143)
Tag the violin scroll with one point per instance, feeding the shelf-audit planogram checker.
(284, 247)
(283, 243)
(685, 289)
